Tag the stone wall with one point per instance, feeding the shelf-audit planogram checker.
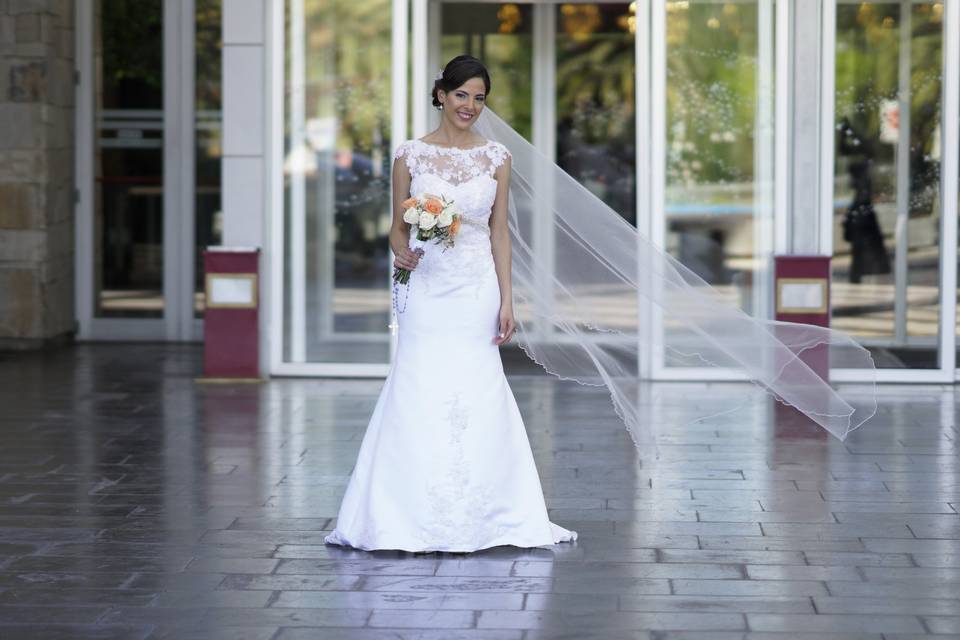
(36, 173)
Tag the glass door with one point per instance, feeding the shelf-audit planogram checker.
(716, 126)
(891, 219)
(148, 123)
(563, 76)
(337, 126)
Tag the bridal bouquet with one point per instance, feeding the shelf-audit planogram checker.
(435, 219)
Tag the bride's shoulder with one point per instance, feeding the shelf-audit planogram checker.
(404, 148)
(497, 152)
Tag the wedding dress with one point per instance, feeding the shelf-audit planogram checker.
(445, 463)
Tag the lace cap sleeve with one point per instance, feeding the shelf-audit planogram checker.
(498, 154)
(403, 150)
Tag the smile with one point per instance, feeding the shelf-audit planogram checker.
(465, 116)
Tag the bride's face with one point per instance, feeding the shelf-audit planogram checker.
(462, 105)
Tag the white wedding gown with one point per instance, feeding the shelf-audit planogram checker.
(445, 463)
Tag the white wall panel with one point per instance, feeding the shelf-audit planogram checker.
(243, 201)
(243, 22)
(243, 100)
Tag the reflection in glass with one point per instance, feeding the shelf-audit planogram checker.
(887, 179)
(128, 154)
(596, 140)
(500, 36)
(719, 144)
(336, 172)
(209, 126)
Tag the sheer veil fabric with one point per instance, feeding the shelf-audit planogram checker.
(594, 298)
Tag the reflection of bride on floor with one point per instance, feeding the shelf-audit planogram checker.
(445, 463)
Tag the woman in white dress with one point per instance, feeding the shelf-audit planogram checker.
(445, 463)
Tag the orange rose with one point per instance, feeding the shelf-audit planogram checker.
(454, 227)
(433, 206)
(409, 202)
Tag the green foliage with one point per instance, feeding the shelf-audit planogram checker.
(131, 50)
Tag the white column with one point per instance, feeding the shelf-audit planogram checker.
(298, 185)
(902, 230)
(950, 144)
(764, 140)
(398, 115)
(545, 140)
(644, 161)
(819, 237)
(420, 82)
(804, 224)
(245, 98)
(173, 153)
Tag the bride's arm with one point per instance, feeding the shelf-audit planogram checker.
(500, 243)
(400, 230)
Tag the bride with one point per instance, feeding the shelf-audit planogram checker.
(445, 463)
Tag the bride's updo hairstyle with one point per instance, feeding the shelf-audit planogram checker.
(457, 72)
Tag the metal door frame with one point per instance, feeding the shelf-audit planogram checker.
(178, 322)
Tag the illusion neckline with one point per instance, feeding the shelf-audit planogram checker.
(463, 149)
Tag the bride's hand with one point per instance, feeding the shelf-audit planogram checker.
(406, 259)
(508, 325)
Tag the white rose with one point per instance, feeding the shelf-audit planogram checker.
(446, 217)
(411, 215)
(427, 221)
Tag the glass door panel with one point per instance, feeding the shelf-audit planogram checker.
(208, 136)
(596, 115)
(717, 213)
(128, 159)
(336, 174)
(500, 36)
(887, 208)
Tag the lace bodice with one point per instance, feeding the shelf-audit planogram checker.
(467, 177)
(451, 164)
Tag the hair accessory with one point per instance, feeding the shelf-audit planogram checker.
(439, 75)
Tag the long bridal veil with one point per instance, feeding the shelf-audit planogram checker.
(595, 300)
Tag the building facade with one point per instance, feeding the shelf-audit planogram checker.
(728, 132)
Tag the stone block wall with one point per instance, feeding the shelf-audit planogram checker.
(36, 173)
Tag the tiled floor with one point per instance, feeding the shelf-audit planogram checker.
(136, 503)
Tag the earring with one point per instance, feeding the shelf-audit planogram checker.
(440, 107)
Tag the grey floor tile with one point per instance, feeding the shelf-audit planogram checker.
(794, 572)
(610, 621)
(903, 605)
(943, 624)
(758, 588)
(829, 623)
(423, 619)
(74, 632)
(379, 600)
(327, 633)
(874, 588)
(717, 604)
(188, 599)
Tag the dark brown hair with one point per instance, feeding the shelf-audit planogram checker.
(457, 72)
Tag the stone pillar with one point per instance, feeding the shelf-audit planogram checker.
(36, 173)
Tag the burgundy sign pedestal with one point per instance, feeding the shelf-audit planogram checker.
(802, 288)
(231, 330)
